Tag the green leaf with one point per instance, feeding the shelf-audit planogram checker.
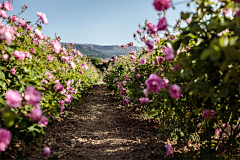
(215, 55)
(2, 75)
(233, 40)
(2, 102)
(177, 44)
(223, 41)
(206, 53)
(3, 85)
(22, 124)
(8, 118)
(185, 16)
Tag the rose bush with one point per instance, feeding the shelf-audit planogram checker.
(192, 78)
(39, 77)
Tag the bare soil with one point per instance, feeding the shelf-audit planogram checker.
(98, 128)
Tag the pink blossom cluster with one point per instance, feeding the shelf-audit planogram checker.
(5, 137)
(7, 6)
(42, 17)
(161, 5)
(208, 114)
(169, 149)
(7, 34)
(84, 66)
(38, 33)
(46, 151)
(13, 18)
(126, 101)
(123, 91)
(144, 100)
(50, 58)
(56, 46)
(142, 61)
(119, 84)
(32, 96)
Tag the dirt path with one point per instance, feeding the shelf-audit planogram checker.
(99, 129)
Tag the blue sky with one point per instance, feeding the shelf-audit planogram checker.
(104, 22)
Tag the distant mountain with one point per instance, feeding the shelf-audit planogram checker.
(86, 50)
(111, 49)
(102, 51)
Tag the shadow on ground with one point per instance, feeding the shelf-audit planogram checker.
(99, 129)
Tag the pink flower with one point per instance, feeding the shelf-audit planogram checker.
(133, 69)
(46, 151)
(56, 46)
(28, 55)
(43, 17)
(142, 61)
(189, 20)
(29, 28)
(165, 83)
(123, 91)
(238, 13)
(61, 102)
(130, 44)
(227, 12)
(13, 18)
(19, 55)
(132, 58)
(169, 54)
(45, 81)
(72, 65)
(160, 59)
(13, 71)
(32, 96)
(126, 101)
(149, 24)
(153, 83)
(123, 46)
(157, 40)
(175, 91)
(50, 58)
(13, 98)
(43, 121)
(208, 114)
(72, 44)
(3, 13)
(144, 100)
(7, 6)
(138, 76)
(5, 57)
(58, 87)
(115, 58)
(38, 33)
(161, 5)
(162, 24)
(218, 131)
(153, 29)
(119, 85)
(150, 44)
(145, 91)
(36, 114)
(62, 108)
(5, 137)
(104, 80)
(169, 150)
(126, 77)
(171, 37)
(139, 31)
